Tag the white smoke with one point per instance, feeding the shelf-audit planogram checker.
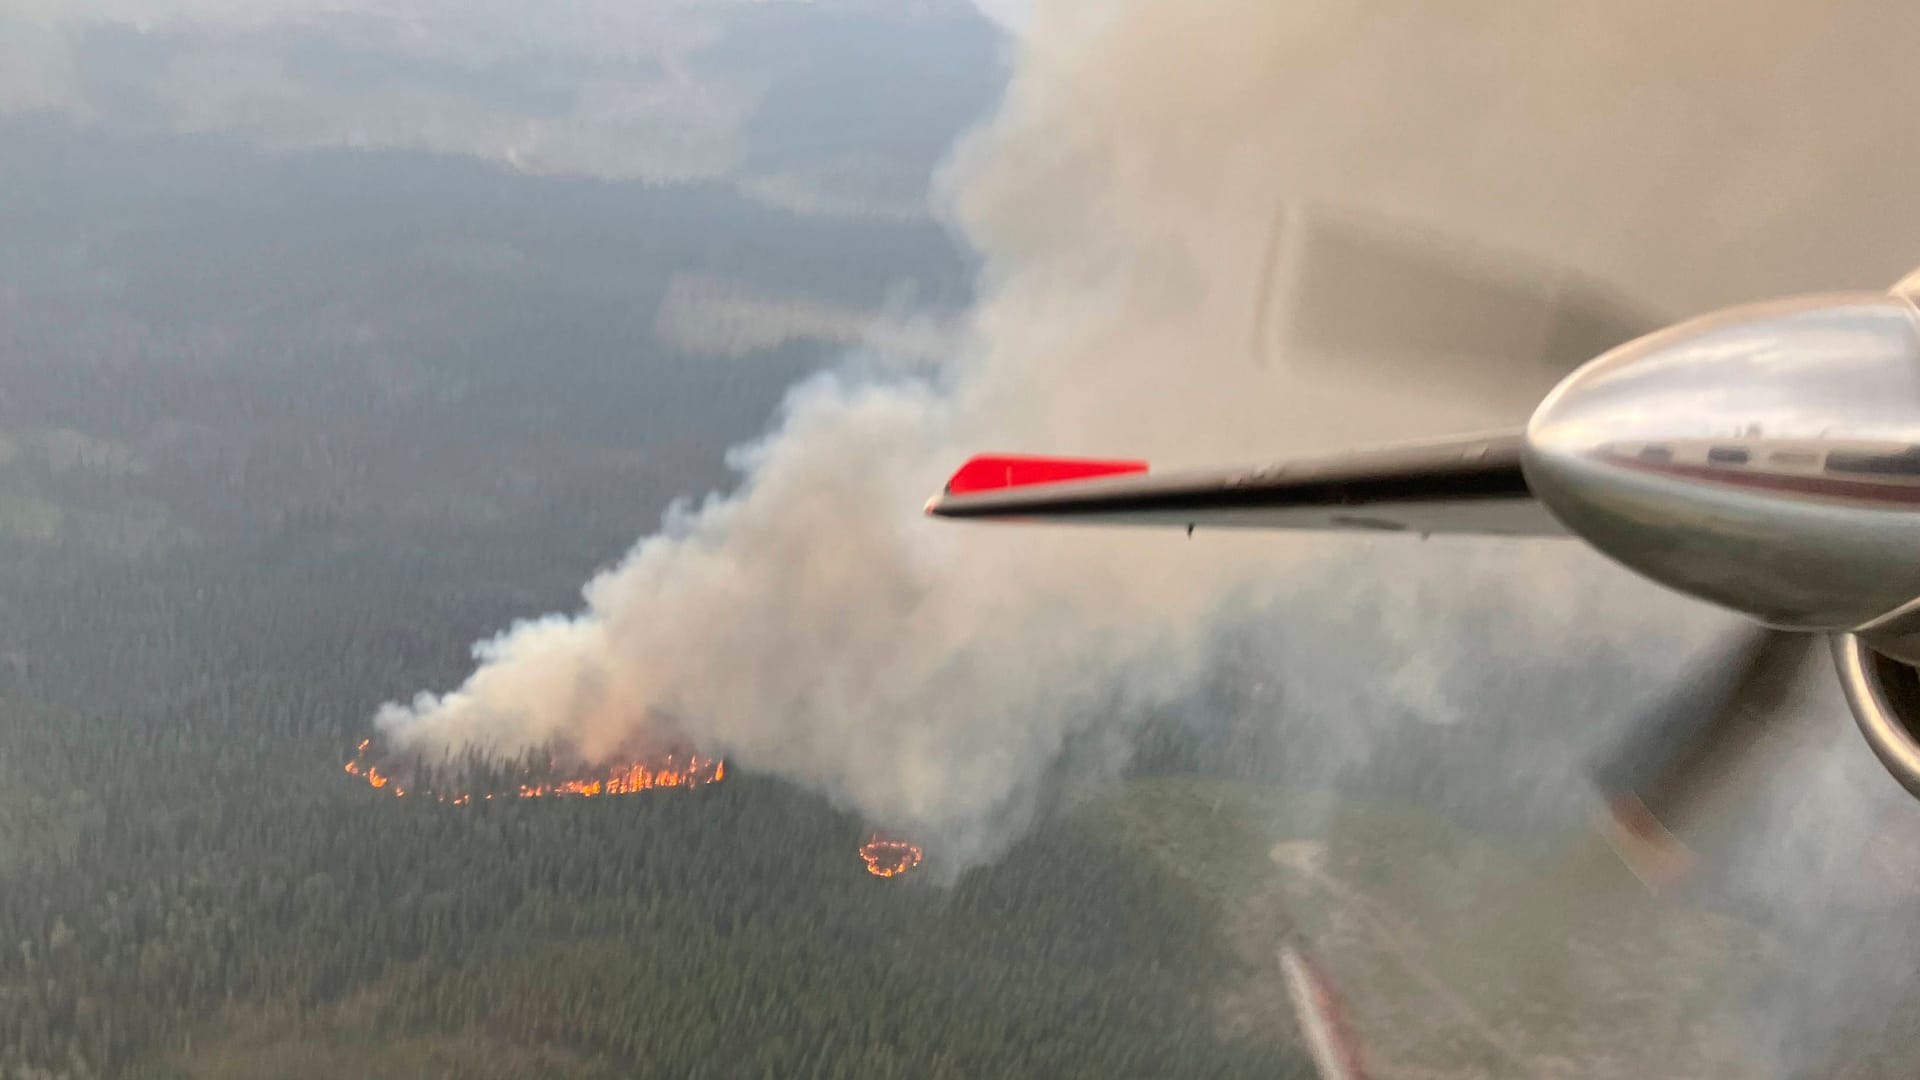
(811, 624)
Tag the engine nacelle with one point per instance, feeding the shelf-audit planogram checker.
(1764, 458)
(1884, 694)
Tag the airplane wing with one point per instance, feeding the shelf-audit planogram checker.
(1466, 485)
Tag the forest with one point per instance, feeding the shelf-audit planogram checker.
(236, 516)
(192, 879)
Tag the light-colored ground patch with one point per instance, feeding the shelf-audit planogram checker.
(841, 188)
(46, 496)
(27, 517)
(131, 528)
(246, 1043)
(715, 317)
(65, 450)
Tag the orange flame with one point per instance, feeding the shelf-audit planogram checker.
(665, 771)
(887, 857)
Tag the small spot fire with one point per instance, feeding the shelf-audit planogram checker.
(889, 857)
(522, 781)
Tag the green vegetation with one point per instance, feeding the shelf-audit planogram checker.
(193, 888)
(248, 495)
(213, 903)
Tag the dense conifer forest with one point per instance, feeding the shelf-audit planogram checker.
(188, 870)
(231, 526)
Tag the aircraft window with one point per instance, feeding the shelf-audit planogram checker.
(1801, 458)
(1727, 455)
(1905, 463)
(1656, 453)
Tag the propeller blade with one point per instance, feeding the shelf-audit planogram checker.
(1321, 1016)
(1339, 291)
(1693, 747)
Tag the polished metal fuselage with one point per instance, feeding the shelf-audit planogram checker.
(1765, 458)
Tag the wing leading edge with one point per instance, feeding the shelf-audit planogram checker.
(1468, 485)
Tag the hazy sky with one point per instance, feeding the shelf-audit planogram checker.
(456, 225)
(799, 104)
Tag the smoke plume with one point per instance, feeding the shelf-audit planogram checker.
(811, 624)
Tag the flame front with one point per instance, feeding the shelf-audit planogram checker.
(888, 857)
(884, 856)
(664, 771)
(637, 776)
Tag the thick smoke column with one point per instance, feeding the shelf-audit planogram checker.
(811, 624)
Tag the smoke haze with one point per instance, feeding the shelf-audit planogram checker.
(811, 624)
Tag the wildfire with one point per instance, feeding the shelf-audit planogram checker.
(887, 857)
(665, 771)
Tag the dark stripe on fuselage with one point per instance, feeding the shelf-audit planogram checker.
(1826, 487)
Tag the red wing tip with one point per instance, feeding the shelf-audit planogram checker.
(998, 472)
